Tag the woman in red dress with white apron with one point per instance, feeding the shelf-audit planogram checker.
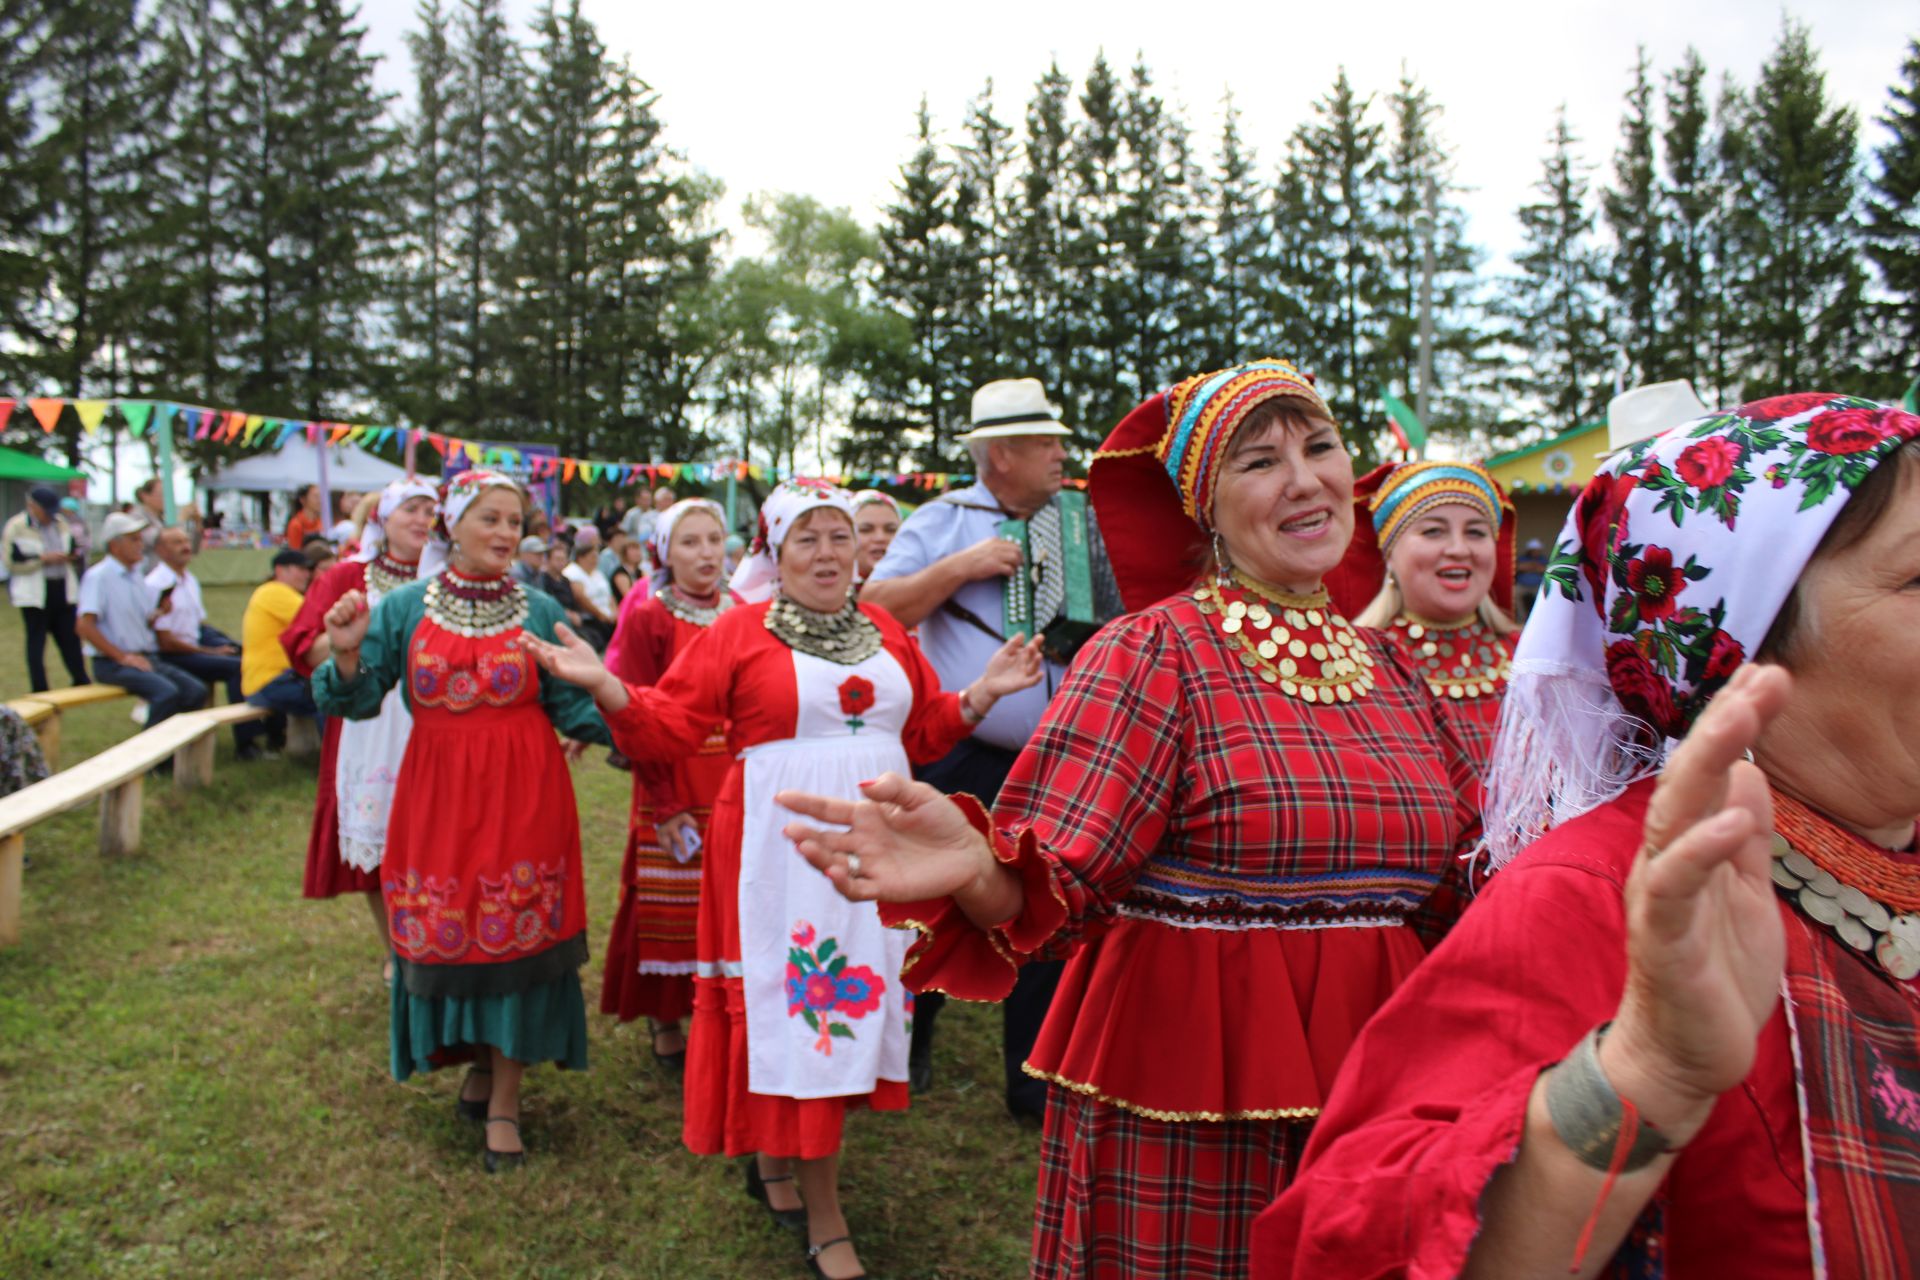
(798, 1012)
(650, 954)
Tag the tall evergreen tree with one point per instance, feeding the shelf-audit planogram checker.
(983, 216)
(23, 276)
(1554, 305)
(917, 262)
(1893, 226)
(1240, 323)
(1045, 221)
(425, 268)
(1634, 213)
(1692, 210)
(1801, 308)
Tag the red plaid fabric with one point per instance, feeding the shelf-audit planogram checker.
(1124, 1196)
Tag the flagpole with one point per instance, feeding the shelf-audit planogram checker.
(1424, 399)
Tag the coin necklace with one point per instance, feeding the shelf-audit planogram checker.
(1889, 932)
(847, 637)
(1296, 643)
(475, 607)
(1456, 659)
(386, 575)
(700, 615)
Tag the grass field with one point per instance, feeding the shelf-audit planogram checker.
(193, 1082)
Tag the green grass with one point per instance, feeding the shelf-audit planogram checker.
(193, 1082)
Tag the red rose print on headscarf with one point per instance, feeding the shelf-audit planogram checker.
(1642, 690)
(1601, 504)
(1851, 430)
(1724, 656)
(1777, 407)
(1656, 585)
(1709, 463)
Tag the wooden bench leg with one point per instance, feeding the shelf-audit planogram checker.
(48, 731)
(193, 763)
(13, 856)
(120, 818)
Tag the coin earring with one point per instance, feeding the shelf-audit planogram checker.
(1223, 571)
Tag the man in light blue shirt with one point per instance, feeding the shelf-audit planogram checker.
(945, 573)
(117, 613)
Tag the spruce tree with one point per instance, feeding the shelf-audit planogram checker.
(1633, 209)
(23, 276)
(1241, 312)
(1046, 219)
(916, 262)
(1892, 226)
(1692, 209)
(422, 280)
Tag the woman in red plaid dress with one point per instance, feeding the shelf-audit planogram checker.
(1238, 818)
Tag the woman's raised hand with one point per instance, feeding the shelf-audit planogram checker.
(347, 622)
(911, 843)
(1016, 665)
(1705, 944)
(572, 659)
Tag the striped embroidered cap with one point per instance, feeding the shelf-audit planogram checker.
(1417, 487)
(1203, 414)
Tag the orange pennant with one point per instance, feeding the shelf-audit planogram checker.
(567, 471)
(47, 410)
(338, 433)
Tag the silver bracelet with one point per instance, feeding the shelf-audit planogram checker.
(1587, 1113)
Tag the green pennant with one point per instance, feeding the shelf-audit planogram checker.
(1911, 401)
(137, 414)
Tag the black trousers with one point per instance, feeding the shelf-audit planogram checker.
(57, 619)
(980, 769)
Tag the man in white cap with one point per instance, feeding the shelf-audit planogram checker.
(117, 613)
(955, 570)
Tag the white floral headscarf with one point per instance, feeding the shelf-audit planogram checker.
(754, 580)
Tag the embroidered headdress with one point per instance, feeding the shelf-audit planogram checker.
(753, 580)
(1669, 574)
(1153, 480)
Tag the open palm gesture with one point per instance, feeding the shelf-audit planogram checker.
(904, 842)
(568, 657)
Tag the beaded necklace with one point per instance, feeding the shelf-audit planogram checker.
(1297, 643)
(475, 607)
(1870, 900)
(386, 575)
(685, 609)
(847, 637)
(1456, 659)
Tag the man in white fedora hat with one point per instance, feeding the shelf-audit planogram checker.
(1008, 553)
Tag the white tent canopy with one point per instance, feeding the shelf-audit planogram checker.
(297, 462)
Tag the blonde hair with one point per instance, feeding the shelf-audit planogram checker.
(1390, 604)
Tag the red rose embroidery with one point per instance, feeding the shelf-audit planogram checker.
(856, 698)
(1655, 583)
(1641, 689)
(1708, 463)
(1601, 505)
(1724, 656)
(1851, 430)
(1774, 408)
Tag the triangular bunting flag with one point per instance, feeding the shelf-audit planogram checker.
(588, 469)
(90, 413)
(163, 416)
(47, 412)
(252, 428)
(236, 423)
(337, 433)
(440, 443)
(569, 466)
(6, 413)
(137, 414)
(473, 454)
(202, 423)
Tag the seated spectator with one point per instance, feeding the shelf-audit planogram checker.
(592, 593)
(532, 558)
(150, 503)
(186, 640)
(613, 554)
(266, 675)
(117, 613)
(631, 573)
(553, 581)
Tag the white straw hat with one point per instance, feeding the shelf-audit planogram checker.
(1013, 407)
(1645, 412)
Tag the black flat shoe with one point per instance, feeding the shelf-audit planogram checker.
(790, 1219)
(672, 1063)
(813, 1258)
(474, 1109)
(495, 1161)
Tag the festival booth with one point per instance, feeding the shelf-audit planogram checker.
(340, 468)
(19, 472)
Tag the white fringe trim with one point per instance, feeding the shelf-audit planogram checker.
(1566, 746)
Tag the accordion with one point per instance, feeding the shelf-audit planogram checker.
(1075, 624)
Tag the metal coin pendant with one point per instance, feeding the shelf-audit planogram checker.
(1854, 934)
(1897, 958)
(1800, 864)
(1823, 883)
(1785, 878)
(1907, 929)
(1820, 907)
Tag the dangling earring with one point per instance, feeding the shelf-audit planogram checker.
(1223, 571)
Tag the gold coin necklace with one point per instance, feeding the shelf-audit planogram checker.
(1456, 659)
(1297, 643)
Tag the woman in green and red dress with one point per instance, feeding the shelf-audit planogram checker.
(481, 877)
(650, 954)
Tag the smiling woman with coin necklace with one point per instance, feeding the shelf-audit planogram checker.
(1238, 821)
(1679, 1032)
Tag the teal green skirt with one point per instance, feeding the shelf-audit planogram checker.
(544, 1023)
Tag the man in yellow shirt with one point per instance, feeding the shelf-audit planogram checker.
(267, 678)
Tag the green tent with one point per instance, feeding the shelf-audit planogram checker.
(15, 465)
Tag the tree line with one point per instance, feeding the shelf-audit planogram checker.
(211, 201)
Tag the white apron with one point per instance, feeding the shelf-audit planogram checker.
(826, 1011)
(364, 774)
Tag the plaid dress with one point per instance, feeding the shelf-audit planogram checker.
(1233, 873)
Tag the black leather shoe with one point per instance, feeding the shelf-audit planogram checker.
(815, 1250)
(474, 1109)
(789, 1219)
(495, 1161)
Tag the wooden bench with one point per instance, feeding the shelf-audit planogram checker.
(42, 711)
(117, 777)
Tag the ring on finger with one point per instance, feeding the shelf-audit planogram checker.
(853, 866)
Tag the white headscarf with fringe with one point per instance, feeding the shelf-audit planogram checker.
(392, 498)
(758, 574)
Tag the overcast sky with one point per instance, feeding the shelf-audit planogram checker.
(820, 98)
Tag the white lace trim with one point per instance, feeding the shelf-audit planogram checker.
(361, 855)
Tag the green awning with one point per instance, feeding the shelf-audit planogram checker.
(15, 465)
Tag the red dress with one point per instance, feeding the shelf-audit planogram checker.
(1467, 665)
(739, 674)
(650, 954)
(1232, 872)
(327, 875)
(1395, 1172)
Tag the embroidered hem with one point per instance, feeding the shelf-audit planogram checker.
(1151, 1113)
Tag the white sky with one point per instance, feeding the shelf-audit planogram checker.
(820, 98)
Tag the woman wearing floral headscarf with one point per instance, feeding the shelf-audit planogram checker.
(350, 808)
(650, 954)
(485, 909)
(1238, 821)
(1607, 1081)
(798, 1013)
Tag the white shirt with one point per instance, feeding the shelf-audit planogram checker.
(188, 612)
(598, 589)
